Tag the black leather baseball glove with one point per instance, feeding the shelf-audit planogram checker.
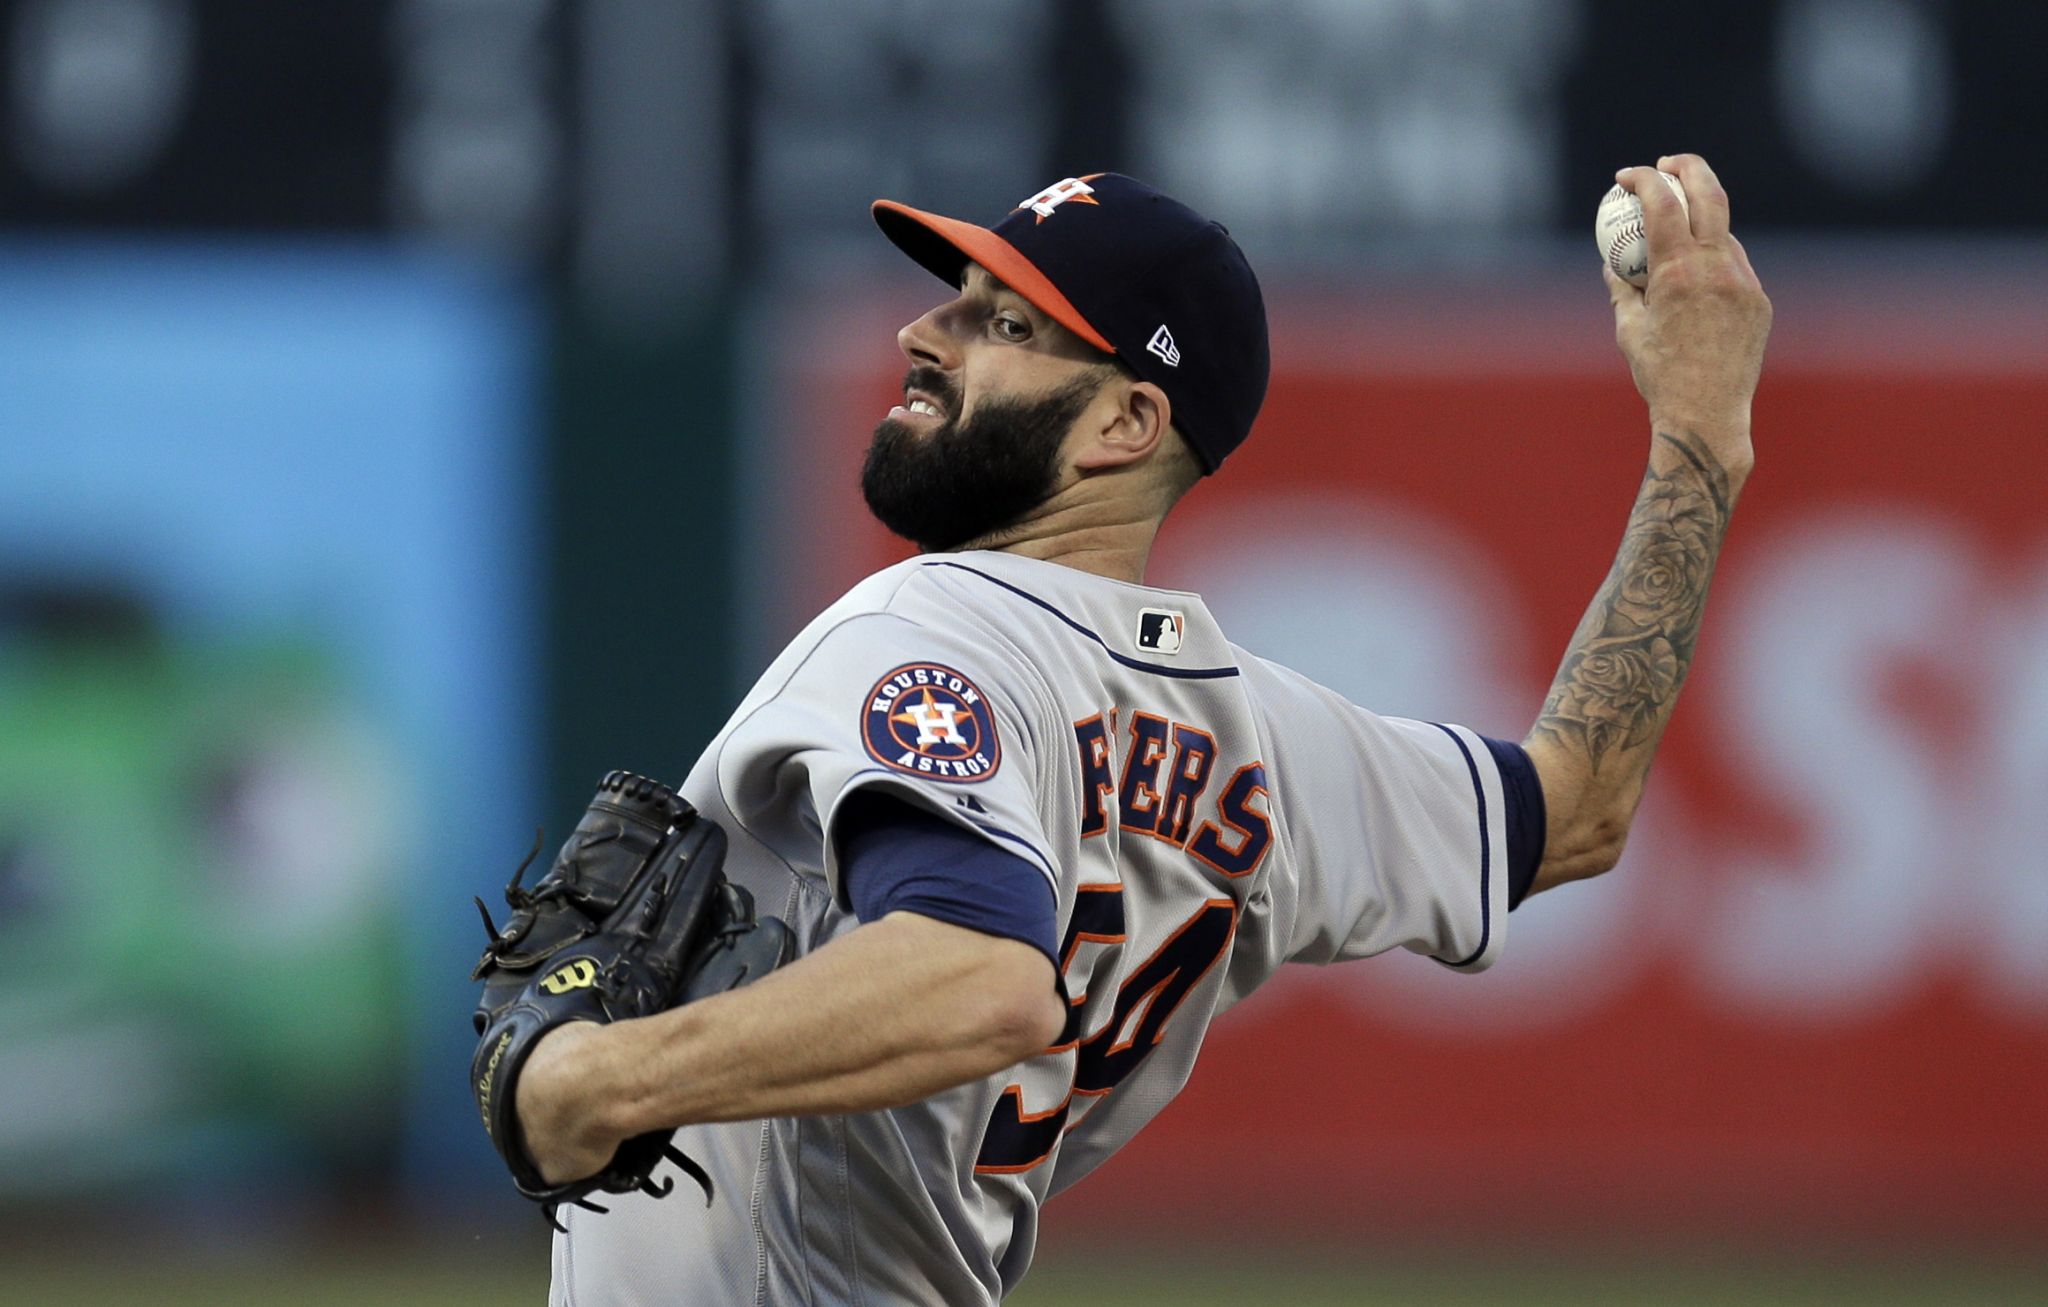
(635, 917)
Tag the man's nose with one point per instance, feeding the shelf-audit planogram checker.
(926, 341)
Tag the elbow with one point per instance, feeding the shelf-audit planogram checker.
(1022, 1012)
(1586, 824)
(1601, 851)
(979, 1004)
(1588, 847)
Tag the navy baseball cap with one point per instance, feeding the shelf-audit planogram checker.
(1134, 273)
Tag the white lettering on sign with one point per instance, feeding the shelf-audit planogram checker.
(1849, 913)
(1872, 695)
(2012, 895)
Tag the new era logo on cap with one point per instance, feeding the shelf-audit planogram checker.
(1162, 345)
(1159, 630)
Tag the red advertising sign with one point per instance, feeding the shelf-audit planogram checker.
(1813, 1000)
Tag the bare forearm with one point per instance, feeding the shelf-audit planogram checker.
(1615, 691)
(889, 1014)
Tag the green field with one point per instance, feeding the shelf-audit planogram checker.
(1446, 1283)
(496, 1277)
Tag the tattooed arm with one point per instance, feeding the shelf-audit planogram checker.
(1620, 679)
(1694, 342)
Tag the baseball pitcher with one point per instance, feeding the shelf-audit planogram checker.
(1018, 826)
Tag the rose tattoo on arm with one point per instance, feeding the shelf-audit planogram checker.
(1630, 655)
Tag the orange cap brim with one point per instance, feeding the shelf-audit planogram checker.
(945, 246)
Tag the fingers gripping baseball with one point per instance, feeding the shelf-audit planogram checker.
(1709, 201)
(1694, 335)
(1666, 225)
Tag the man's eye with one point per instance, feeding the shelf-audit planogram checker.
(1011, 327)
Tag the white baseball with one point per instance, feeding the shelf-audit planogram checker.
(1618, 231)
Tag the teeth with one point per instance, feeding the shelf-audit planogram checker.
(922, 406)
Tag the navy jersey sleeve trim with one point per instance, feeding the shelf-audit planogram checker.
(896, 857)
(1031, 851)
(1522, 796)
(1485, 855)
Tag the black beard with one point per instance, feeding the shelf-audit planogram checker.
(969, 478)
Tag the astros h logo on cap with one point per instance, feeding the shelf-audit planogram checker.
(1053, 196)
(1133, 272)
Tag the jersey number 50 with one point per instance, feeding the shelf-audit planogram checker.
(1018, 1140)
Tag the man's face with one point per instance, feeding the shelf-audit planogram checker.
(993, 390)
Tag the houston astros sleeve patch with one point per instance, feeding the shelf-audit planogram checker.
(929, 720)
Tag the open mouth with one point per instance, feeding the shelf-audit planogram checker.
(919, 403)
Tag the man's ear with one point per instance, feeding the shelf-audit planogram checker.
(1130, 429)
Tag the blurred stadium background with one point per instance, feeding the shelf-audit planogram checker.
(410, 409)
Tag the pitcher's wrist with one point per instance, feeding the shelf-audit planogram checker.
(1726, 435)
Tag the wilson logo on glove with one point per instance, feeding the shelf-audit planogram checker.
(580, 974)
(640, 888)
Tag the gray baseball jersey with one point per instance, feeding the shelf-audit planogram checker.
(1202, 816)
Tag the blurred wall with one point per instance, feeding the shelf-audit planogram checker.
(266, 592)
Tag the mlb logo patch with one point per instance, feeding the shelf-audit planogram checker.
(1160, 629)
